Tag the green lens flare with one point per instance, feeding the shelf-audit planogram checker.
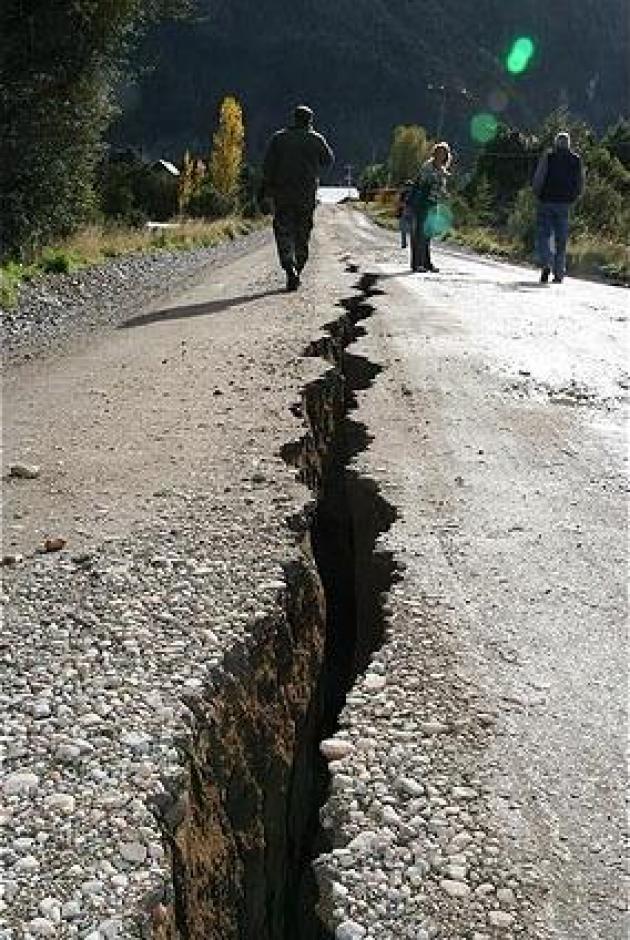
(438, 222)
(483, 128)
(520, 55)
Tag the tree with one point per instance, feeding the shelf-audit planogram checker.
(409, 149)
(226, 159)
(617, 141)
(59, 62)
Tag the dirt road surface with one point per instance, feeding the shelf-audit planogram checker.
(479, 785)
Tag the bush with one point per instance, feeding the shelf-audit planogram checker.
(208, 203)
(521, 222)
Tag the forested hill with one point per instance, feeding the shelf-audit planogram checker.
(365, 65)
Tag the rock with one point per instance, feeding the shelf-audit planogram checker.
(20, 783)
(433, 727)
(51, 909)
(137, 742)
(374, 682)
(41, 708)
(64, 802)
(464, 793)
(456, 872)
(71, 910)
(133, 852)
(41, 927)
(500, 919)
(335, 748)
(455, 889)
(363, 843)
(28, 863)
(350, 930)
(506, 896)
(24, 471)
(54, 544)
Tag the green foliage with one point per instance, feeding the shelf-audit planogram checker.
(617, 141)
(60, 61)
(521, 222)
(503, 166)
(373, 177)
(132, 191)
(209, 203)
(409, 149)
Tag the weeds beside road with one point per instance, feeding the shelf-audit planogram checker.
(587, 256)
(97, 244)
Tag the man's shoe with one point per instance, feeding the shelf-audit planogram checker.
(293, 279)
(419, 270)
(432, 268)
(558, 279)
(544, 275)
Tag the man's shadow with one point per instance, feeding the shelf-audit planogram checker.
(196, 310)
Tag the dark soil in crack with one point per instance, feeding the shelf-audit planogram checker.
(351, 514)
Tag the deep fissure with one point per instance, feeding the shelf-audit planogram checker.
(244, 830)
(350, 516)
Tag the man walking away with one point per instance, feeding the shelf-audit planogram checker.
(558, 182)
(295, 157)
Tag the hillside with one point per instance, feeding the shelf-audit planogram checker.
(365, 65)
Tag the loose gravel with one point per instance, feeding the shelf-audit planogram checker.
(53, 309)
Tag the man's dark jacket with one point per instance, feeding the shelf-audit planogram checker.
(293, 162)
(563, 179)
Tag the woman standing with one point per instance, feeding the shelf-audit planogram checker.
(428, 189)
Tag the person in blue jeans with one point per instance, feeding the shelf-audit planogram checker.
(558, 182)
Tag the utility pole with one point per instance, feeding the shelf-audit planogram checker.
(349, 180)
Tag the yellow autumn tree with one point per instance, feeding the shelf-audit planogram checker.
(228, 143)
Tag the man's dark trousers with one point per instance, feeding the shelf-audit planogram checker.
(292, 225)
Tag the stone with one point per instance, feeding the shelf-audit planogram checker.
(350, 930)
(51, 909)
(456, 872)
(335, 748)
(41, 708)
(500, 919)
(71, 910)
(506, 896)
(133, 852)
(41, 927)
(24, 471)
(64, 802)
(455, 889)
(20, 783)
(374, 682)
(410, 787)
(433, 727)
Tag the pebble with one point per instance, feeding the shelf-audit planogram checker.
(350, 930)
(335, 748)
(41, 927)
(500, 919)
(25, 471)
(133, 852)
(20, 783)
(64, 802)
(456, 889)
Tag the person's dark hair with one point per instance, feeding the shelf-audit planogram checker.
(303, 116)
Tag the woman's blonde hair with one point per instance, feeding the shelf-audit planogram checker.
(444, 147)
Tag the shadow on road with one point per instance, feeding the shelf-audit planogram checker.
(196, 310)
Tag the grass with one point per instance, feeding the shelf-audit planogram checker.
(97, 244)
(587, 256)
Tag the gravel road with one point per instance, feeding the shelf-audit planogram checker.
(484, 788)
(477, 778)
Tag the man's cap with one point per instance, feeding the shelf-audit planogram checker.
(303, 115)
